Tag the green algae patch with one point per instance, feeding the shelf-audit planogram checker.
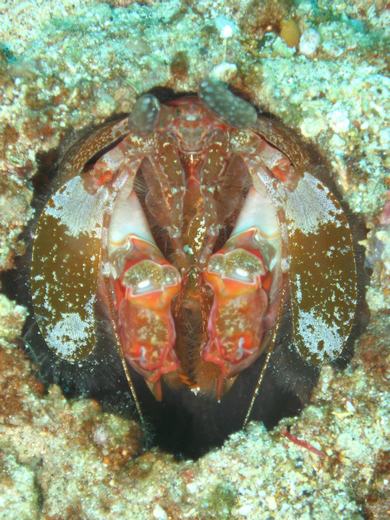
(220, 502)
(19, 493)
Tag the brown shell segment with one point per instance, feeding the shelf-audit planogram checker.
(165, 180)
(322, 271)
(65, 267)
(283, 139)
(82, 151)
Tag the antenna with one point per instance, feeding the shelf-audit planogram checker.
(122, 358)
(267, 359)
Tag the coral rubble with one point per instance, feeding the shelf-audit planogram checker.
(66, 66)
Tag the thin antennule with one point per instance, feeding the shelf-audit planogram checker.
(124, 363)
(130, 384)
(267, 360)
(259, 382)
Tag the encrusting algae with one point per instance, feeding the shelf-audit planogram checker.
(68, 66)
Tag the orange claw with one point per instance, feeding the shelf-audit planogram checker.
(235, 326)
(144, 293)
(280, 173)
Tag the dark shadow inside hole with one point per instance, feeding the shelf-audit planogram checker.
(182, 424)
(188, 425)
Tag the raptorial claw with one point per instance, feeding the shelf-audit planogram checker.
(236, 274)
(144, 293)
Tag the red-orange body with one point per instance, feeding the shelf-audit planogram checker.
(194, 235)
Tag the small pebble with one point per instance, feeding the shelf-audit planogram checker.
(289, 32)
(271, 502)
(100, 436)
(224, 71)
(339, 121)
(337, 143)
(309, 42)
(225, 26)
(159, 513)
(384, 137)
(312, 126)
(246, 510)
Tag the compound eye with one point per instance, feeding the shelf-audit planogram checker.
(144, 117)
(229, 107)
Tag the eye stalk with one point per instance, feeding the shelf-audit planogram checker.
(144, 116)
(232, 109)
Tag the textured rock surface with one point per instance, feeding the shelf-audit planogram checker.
(66, 66)
(69, 460)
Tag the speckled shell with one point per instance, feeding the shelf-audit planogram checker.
(317, 258)
(66, 253)
(321, 256)
(322, 270)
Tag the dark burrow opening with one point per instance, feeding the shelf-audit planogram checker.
(184, 424)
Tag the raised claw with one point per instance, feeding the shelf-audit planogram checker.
(143, 295)
(240, 279)
(143, 284)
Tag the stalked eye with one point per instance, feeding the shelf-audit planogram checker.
(197, 237)
(231, 108)
(144, 116)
